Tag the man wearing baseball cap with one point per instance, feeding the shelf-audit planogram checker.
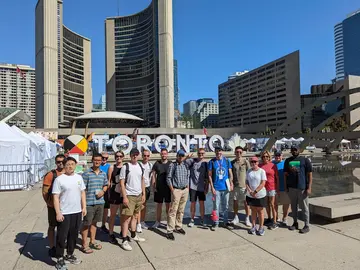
(298, 181)
(178, 181)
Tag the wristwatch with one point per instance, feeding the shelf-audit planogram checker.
(255, 191)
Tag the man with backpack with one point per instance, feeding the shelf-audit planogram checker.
(133, 192)
(221, 183)
(47, 195)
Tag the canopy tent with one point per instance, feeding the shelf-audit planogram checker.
(343, 141)
(15, 159)
(300, 139)
(279, 142)
(51, 149)
(252, 140)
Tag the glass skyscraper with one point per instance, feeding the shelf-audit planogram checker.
(347, 46)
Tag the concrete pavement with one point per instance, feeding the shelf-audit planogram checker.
(23, 226)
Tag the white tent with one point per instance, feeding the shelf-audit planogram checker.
(279, 142)
(283, 139)
(51, 149)
(345, 141)
(14, 159)
(300, 139)
(252, 140)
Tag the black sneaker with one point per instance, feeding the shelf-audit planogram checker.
(104, 229)
(228, 226)
(268, 222)
(306, 229)
(274, 226)
(52, 252)
(180, 231)
(170, 236)
(214, 228)
(294, 227)
(112, 239)
(60, 265)
(72, 259)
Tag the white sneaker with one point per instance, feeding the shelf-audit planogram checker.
(138, 239)
(144, 226)
(156, 225)
(284, 222)
(138, 228)
(191, 224)
(235, 220)
(247, 222)
(126, 246)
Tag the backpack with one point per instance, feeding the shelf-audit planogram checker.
(49, 198)
(118, 186)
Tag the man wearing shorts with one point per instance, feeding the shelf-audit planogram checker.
(47, 195)
(105, 168)
(96, 183)
(283, 197)
(133, 192)
(147, 170)
(198, 185)
(161, 189)
(240, 166)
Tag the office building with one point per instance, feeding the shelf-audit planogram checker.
(63, 68)
(140, 64)
(176, 87)
(262, 98)
(103, 102)
(347, 43)
(190, 107)
(207, 113)
(17, 90)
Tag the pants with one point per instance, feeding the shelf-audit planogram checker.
(299, 197)
(177, 207)
(67, 231)
(223, 198)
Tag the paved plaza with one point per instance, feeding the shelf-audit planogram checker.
(23, 226)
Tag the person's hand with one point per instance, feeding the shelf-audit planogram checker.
(253, 194)
(190, 155)
(213, 190)
(143, 198)
(308, 191)
(84, 212)
(125, 201)
(100, 194)
(231, 186)
(59, 217)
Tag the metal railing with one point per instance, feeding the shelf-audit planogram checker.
(21, 176)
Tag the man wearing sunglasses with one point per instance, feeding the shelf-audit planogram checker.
(105, 168)
(47, 195)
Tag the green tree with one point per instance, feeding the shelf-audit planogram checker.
(338, 124)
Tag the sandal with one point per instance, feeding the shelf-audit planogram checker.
(86, 250)
(95, 246)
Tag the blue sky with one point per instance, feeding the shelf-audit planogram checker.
(212, 39)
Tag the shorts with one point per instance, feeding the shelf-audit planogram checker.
(260, 202)
(239, 194)
(106, 199)
(94, 214)
(52, 217)
(271, 193)
(114, 197)
(197, 195)
(162, 194)
(147, 193)
(283, 198)
(134, 207)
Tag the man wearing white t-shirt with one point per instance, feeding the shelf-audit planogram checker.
(133, 192)
(147, 169)
(70, 206)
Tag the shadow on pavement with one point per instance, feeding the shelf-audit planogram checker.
(34, 247)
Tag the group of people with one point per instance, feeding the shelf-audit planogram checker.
(79, 202)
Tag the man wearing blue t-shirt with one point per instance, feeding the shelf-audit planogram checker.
(221, 183)
(105, 168)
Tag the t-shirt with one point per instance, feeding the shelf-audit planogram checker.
(280, 167)
(161, 173)
(270, 170)
(239, 172)
(105, 167)
(297, 169)
(254, 179)
(220, 172)
(69, 188)
(147, 172)
(198, 174)
(94, 184)
(134, 179)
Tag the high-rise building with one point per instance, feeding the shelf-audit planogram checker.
(263, 97)
(17, 90)
(207, 113)
(190, 107)
(176, 86)
(63, 68)
(140, 64)
(206, 100)
(103, 102)
(347, 43)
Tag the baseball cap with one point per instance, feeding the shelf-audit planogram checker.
(254, 159)
(278, 153)
(218, 148)
(181, 153)
(295, 147)
(134, 151)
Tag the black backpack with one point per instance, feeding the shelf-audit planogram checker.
(127, 171)
(49, 197)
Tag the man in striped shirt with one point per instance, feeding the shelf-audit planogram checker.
(96, 183)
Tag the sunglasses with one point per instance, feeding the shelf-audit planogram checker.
(146, 155)
(253, 161)
(119, 156)
(59, 162)
(266, 156)
(105, 158)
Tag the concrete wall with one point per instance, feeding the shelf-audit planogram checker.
(349, 83)
(110, 65)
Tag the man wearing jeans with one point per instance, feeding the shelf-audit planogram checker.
(298, 181)
(178, 182)
(221, 183)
